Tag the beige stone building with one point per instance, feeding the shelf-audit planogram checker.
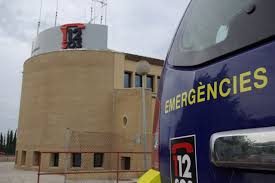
(84, 100)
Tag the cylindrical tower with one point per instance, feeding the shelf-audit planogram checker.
(80, 97)
(60, 90)
(67, 84)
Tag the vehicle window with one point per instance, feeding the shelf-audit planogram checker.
(211, 28)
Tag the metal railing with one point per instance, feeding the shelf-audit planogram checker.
(114, 168)
(7, 158)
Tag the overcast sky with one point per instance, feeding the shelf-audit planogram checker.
(143, 27)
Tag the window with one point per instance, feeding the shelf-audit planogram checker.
(23, 158)
(54, 162)
(158, 78)
(138, 80)
(150, 82)
(127, 80)
(212, 28)
(16, 157)
(124, 121)
(125, 163)
(98, 160)
(76, 160)
(35, 158)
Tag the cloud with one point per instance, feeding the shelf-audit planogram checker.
(140, 27)
(15, 22)
(144, 27)
(13, 54)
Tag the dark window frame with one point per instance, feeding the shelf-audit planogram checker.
(76, 160)
(125, 163)
(35, 158)
(158, 81)
(101, 160)
(54, 162)
(152, 82)
(23, 158)
(141, 82)
(16, 157)
(129, 83)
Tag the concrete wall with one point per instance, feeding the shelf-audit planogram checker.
(72, 90)
(129, 135)
(82, 91)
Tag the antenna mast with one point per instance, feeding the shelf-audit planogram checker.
(92, 13)
(39, 20)
(103, 6)
(56, 13)
(106, 9)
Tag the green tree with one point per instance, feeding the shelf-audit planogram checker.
(4, 143)
(1, 142)
(8, 142)
(13, 144)
(10, 150)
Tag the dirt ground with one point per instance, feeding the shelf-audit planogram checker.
(10, 175)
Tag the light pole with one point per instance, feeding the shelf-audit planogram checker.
(143, 68)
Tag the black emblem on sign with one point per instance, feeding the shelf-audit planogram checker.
(183, 160)
(74, 37)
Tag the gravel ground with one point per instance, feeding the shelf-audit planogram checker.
(8, 174)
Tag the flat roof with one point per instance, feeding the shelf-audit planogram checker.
(128, 56)
(138, 58)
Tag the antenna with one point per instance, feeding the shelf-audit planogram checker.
(103, 6)
(39, 20)
(92, 11)
(106, 9)
(101, 17)
(103, 9)
(56, 13)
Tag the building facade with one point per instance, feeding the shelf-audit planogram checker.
(83, 99)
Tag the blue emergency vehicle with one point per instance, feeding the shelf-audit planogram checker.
(215, 110)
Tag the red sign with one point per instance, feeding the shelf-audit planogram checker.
(183, 160)
(72, 35)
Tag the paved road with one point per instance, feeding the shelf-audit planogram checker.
(10, 175)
